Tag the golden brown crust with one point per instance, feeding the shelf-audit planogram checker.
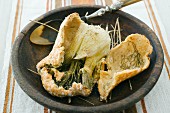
(67, 45)
(124, 61)
(66, 34)
(53, 89)
(56, 58)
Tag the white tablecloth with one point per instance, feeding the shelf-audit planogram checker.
(15, 14)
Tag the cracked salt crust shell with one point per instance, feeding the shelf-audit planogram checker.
(118, 71)
(71, 43)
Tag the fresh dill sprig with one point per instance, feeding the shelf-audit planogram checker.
(45, 24)
(33, 71)
(115, 33)
(86, 101)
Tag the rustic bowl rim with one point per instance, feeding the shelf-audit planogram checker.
(116, 106)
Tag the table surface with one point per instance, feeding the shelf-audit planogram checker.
(15, 14)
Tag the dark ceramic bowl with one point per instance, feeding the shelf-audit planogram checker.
(26, 55)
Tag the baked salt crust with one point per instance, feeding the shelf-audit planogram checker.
(123, 62)
(68, 69)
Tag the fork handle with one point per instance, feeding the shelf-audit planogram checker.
(117, 4)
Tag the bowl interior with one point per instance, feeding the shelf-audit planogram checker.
(30, 54)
